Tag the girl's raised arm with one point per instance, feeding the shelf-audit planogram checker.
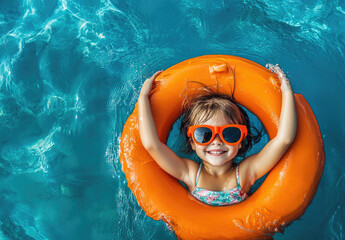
(161, 153)
(259, 164)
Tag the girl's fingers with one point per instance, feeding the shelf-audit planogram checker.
(277, 70)
(285, 83)
(152, 78)
(156, 74)
(146, 88)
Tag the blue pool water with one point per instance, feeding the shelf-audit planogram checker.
(70, 75)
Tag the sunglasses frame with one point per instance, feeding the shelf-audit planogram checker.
(218, 130)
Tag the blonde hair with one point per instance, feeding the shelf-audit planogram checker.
(204, 107)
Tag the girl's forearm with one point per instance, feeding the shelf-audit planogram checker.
(147, 127)
(288, 118)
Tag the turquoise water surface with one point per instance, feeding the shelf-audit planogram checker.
(70, 75)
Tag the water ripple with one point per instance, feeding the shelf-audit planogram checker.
(71, 73)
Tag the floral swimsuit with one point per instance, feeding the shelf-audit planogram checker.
(219, 198)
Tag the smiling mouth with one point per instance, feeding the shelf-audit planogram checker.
(216, 153)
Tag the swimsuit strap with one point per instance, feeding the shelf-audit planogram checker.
(237, 175)
(197, 175)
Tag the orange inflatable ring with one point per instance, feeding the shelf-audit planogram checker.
(289, 187)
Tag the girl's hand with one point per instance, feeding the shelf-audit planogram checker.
(285, 83)
(146, 88)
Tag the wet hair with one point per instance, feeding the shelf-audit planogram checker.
(201, 107)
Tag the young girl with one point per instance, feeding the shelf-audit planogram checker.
(217, 128)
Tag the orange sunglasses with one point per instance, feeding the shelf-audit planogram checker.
(231, 134)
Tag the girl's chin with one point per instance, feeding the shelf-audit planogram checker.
(218, 163)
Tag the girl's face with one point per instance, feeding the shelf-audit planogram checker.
(217, 153)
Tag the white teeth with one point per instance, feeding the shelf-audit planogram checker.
(214, 152)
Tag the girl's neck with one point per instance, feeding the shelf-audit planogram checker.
(217, 171)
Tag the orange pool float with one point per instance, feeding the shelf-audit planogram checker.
(284, 195)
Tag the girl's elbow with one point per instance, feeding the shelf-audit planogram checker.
(288, 137)
(149, 145)
(289, 140)
(293, 135)
(286, 140)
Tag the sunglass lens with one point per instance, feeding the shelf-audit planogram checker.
(202, 134)
(232, 134)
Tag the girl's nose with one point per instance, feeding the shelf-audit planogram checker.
(217, 140)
